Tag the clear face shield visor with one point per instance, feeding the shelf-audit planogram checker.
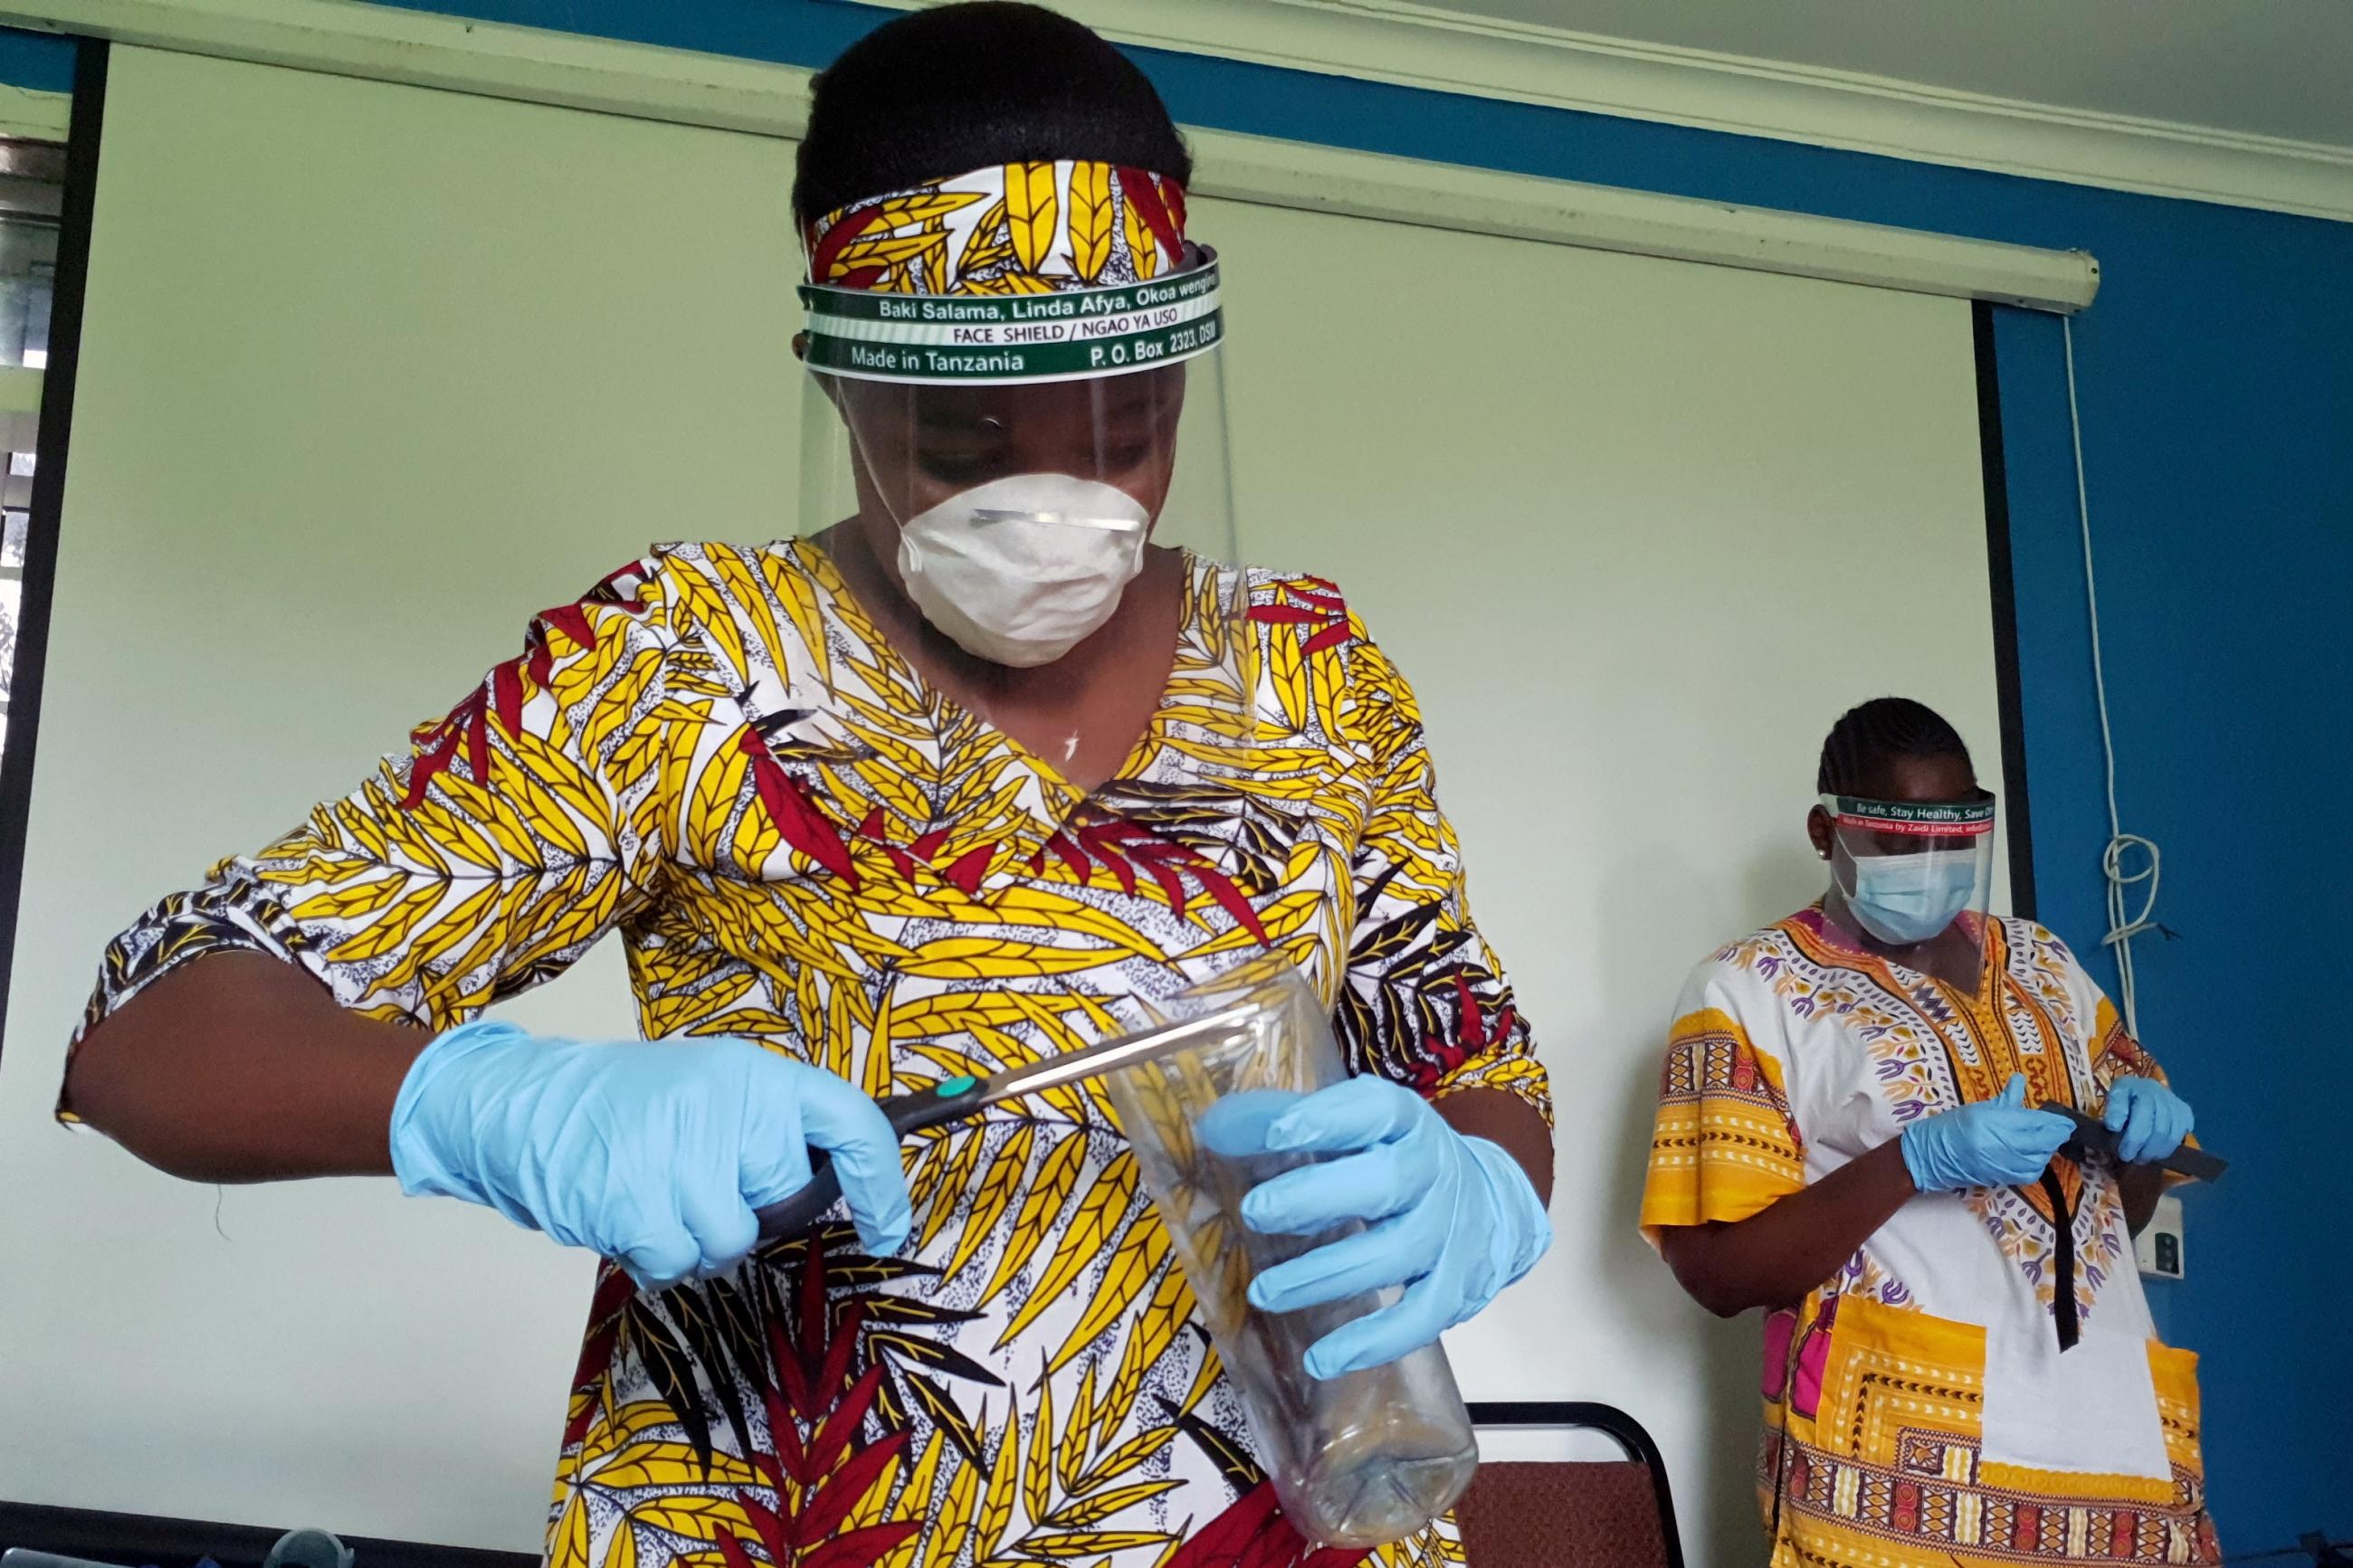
(1012, 465)
(1911, 876)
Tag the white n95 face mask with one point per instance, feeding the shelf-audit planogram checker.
(1020, 570)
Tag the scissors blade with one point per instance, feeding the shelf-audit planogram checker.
(1121, 1051)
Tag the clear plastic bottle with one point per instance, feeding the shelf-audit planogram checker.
(1359, 1460)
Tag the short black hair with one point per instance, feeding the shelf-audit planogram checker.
(938, 92)
(1872, 734)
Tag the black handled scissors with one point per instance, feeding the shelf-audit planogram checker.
(959, 1099)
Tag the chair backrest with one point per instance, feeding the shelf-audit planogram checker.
(1616, 1514)
(1566, 1514)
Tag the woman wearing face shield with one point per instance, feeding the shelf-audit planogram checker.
(1000, 744)
(1959, 1365)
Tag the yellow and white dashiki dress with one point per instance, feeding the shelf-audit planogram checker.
(801, 842)
(1919, 1411)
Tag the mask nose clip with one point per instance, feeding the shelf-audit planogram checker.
(988, 514)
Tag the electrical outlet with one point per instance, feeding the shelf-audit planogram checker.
(2157, 1248)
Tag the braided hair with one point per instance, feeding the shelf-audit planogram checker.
(1868, 737)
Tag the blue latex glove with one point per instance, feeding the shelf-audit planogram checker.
(2152, 1119)
(1995, 1142)
(1452, 1219)
(651, 1152)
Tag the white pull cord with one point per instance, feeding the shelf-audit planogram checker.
(2121, 845)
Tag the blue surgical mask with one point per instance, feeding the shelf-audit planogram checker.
(1907, 899)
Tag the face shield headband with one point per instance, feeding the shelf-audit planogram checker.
(1912, 818)
(1015, 272)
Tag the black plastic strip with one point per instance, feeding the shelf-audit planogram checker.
(2062, 1269)
(2006, 685)
(80, 200)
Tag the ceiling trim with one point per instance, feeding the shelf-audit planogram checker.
(537, 66)
(1418, 46)
(1354, 184)
(418, 48)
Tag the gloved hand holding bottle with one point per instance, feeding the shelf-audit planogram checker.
(1452, 1218)
(2152, 1120)
(1996, 1142)
(653, 1153)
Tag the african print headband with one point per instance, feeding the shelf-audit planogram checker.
(1009, 228)
(1932, 819)
(1018, 272)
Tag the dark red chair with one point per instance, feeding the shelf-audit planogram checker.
(1609, 1513)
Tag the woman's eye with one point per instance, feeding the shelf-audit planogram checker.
(959, 467)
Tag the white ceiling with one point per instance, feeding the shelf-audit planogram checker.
(2272, 67)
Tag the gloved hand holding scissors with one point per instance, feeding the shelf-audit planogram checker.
(2150, 1120)
(653, 1153)
(1452, 1218)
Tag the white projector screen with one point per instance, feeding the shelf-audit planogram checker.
(370, 373)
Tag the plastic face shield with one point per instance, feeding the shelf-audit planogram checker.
(1036, 442)
(1913, 877)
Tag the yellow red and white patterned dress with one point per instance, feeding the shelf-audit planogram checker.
(1930, 1418)
(717, 755)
